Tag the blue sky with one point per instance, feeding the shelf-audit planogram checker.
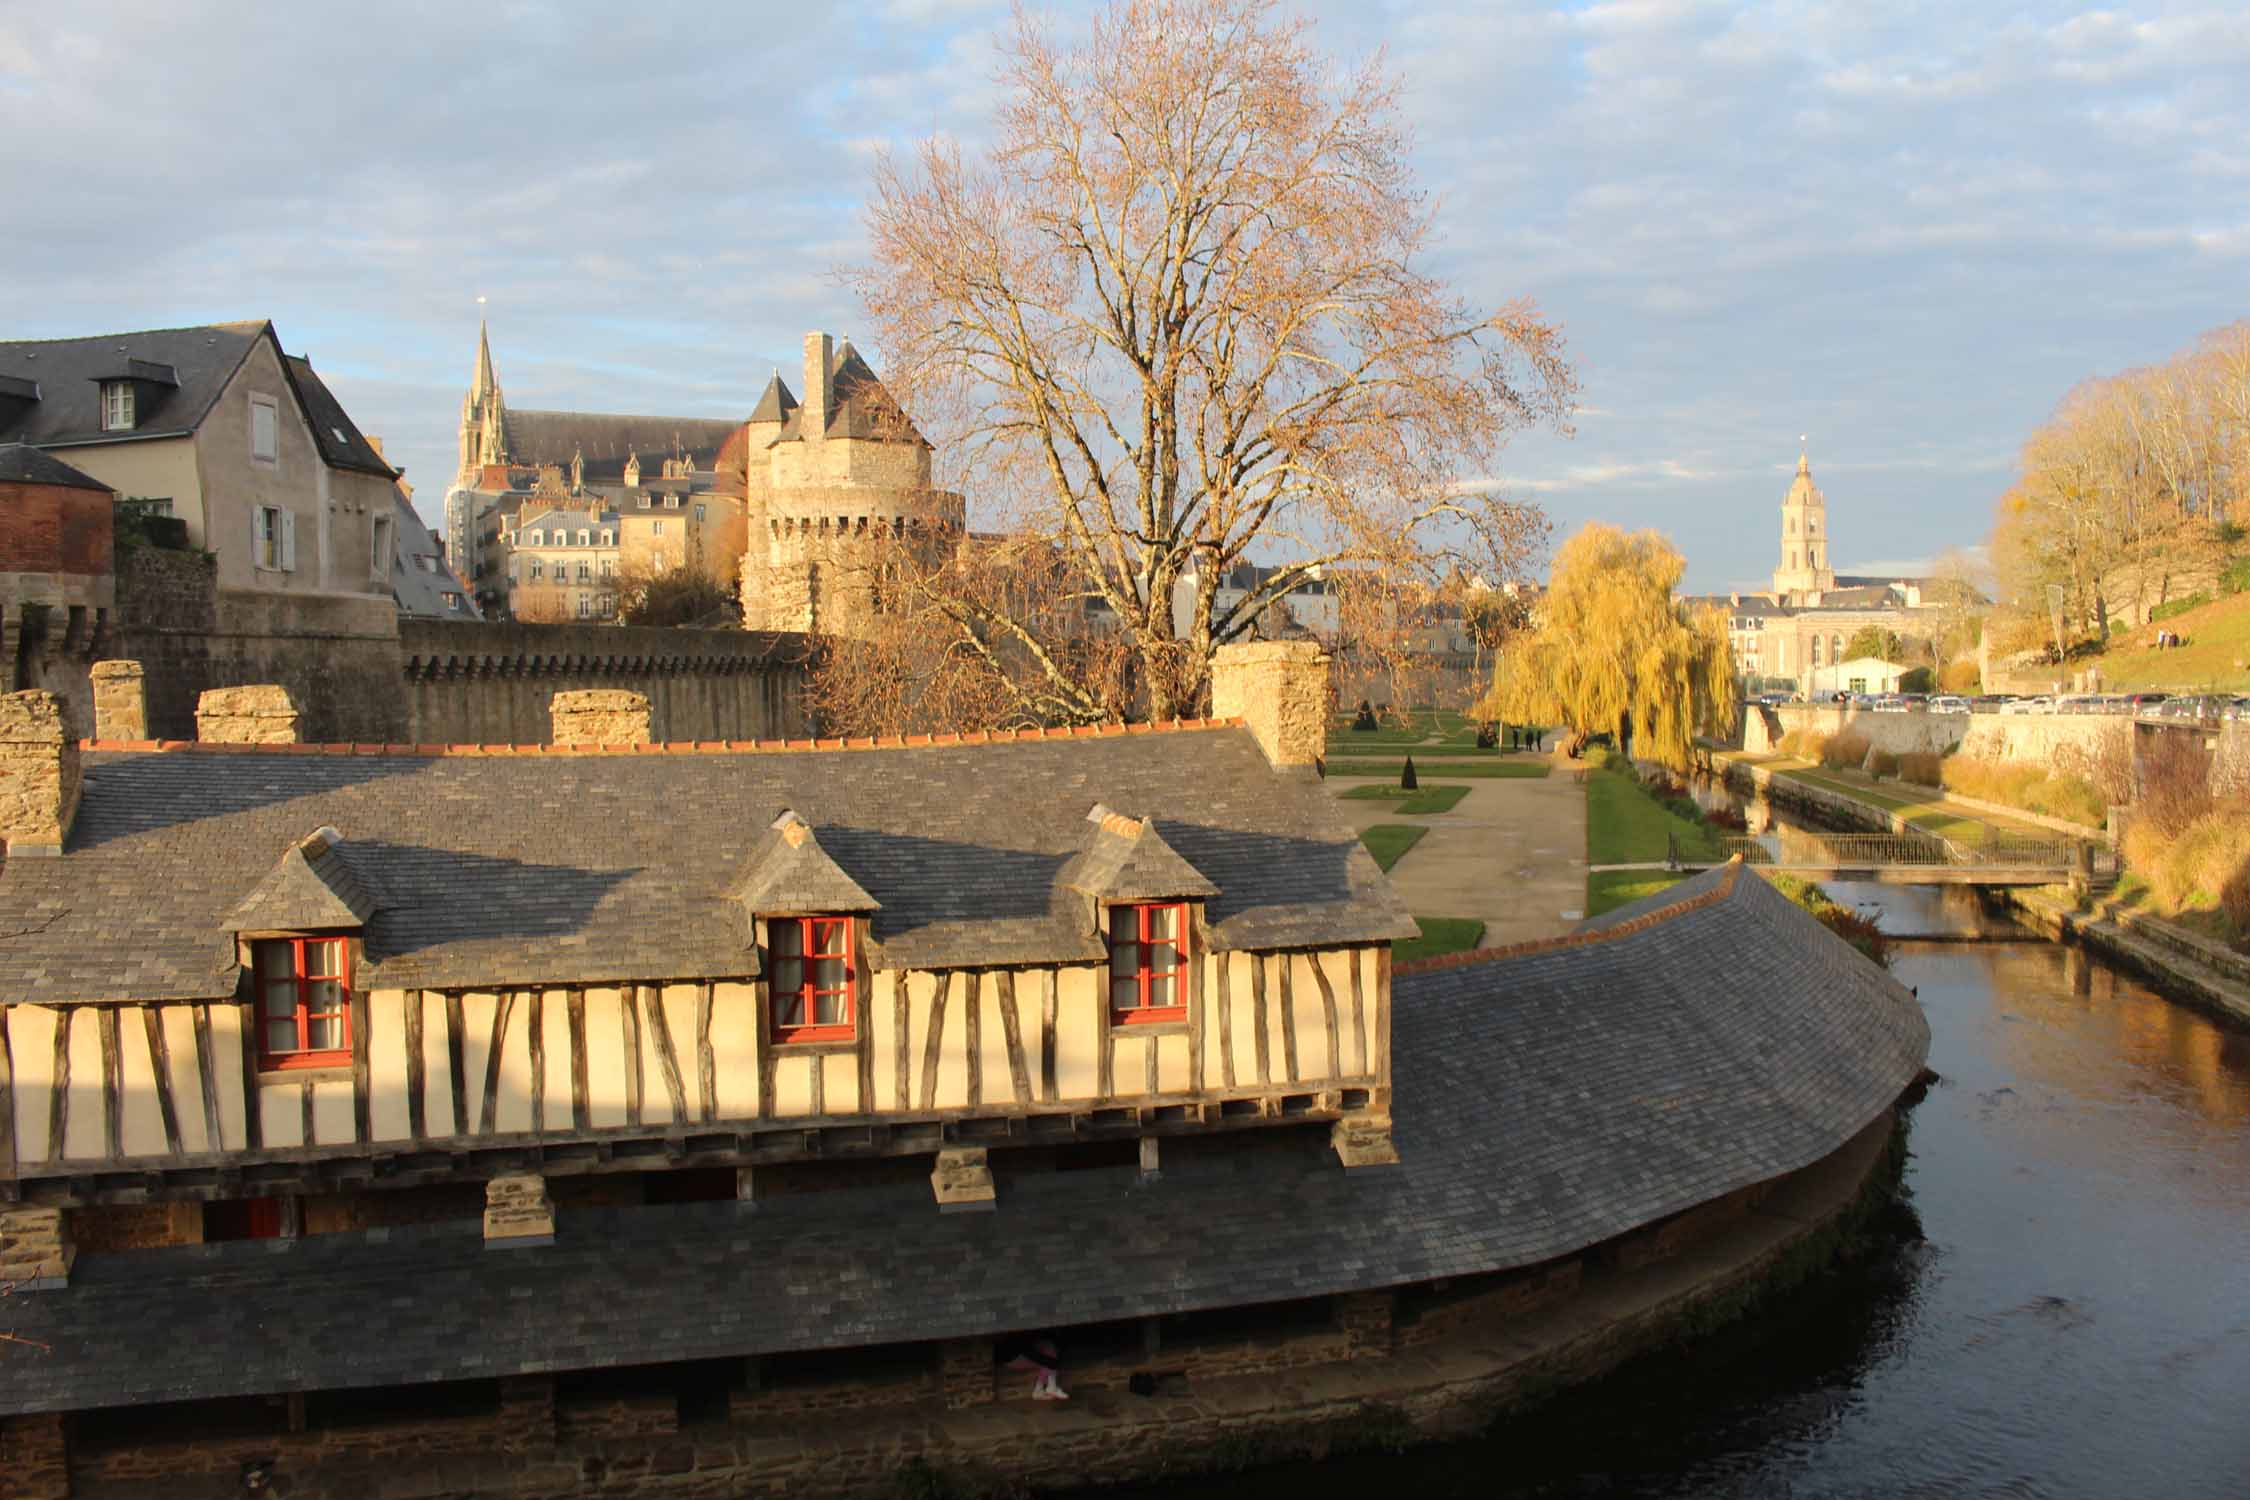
(1903, 229)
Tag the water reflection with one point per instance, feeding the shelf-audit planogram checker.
(2064, 1311)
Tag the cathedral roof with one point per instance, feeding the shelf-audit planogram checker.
(607, 439)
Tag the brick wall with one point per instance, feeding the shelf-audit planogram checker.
(138, 1226)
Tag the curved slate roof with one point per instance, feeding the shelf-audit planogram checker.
(1547, 1098)
(550, 868)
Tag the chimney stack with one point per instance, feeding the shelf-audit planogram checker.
(39, 775)
(819, 386)
(260, 714)
(600, 716)
(1280, 689)
(120, 701)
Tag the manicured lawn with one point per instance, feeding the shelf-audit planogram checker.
(1482, 770)
(1430, 799)
(1388, 842)
(1625, 824)
(1922, 807)
(1606, 890)
(1440, 936)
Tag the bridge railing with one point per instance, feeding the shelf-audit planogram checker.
(1868, 850)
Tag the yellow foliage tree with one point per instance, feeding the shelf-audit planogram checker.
(1614, 652)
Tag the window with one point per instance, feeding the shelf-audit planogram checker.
(1816, 650)
(584, 536)
(117, 406)
(273, 538)
(1146, 946)
(585, 571)
(672, 502)
(585, 606)
(453, 602)
(538, 539)
(644, 502)
(609, 567)
(812, 978)
(265, 430)
(699, 512)
(304, 1020)
(379, 547)
(538, 570)
(609, 539)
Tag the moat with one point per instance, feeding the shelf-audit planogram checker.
(2061, 1307)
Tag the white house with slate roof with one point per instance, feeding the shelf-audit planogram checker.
(718, 1041)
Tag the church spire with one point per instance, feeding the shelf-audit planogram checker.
(486, 382)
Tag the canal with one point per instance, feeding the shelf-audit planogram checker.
(2060, 1308)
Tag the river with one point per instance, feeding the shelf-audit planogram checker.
(2061, 1308)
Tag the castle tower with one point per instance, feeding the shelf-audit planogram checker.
(834, 487)
(1804, 565)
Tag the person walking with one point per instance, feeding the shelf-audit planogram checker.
(1037, 1354)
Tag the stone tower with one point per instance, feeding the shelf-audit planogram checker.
(830, 482)
(1804, 540)
(484, 437)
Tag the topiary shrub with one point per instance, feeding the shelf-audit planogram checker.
(1406, 779)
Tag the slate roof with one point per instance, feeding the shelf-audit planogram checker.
(790, 872)
(545, 868)
(313, 885)
(20, 463)
(69, 409)
(421, 591)
(607, 439)
(340, 441)
(1547, 1100)
(777, 402)
(1127, 859)
(859, 406)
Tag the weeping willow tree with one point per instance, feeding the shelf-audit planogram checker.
(1613, 652)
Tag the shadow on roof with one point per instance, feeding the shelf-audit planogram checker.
(130, 794)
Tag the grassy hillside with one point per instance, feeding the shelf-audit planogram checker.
(2216, 657)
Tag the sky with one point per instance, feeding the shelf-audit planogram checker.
(1901, 230)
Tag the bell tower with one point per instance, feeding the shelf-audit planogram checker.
(483, 417)
(1804, 565)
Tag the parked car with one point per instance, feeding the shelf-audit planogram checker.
(2079, 703)
(2039, 703)
(1989, 703)
(2237, 712)
(2143, 702)
(1864, 702)
(2197, 708)
(1889, 703)
(1915, 702)
(1949, 703)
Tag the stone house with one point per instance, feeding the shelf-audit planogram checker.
(562, 555)
(218, 426)
(366, 1076)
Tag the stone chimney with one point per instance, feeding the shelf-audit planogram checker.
(518, 1214)
(1280, 689)
(261, 714)
(120, 701)
(600, 716)
(39, 776)
(820, 386)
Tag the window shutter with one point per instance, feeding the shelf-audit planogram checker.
(257, 536)
(288, 541)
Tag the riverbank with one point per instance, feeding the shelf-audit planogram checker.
(2183, 964)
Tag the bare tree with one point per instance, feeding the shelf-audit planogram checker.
(1174, 319)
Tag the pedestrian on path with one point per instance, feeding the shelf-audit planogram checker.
(1036, 1353)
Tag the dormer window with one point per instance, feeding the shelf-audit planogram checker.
(584, 536)
(813, 979)
(304, 1014)
(1147, 963)
(117, 406)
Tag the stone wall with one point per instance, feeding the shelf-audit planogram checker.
(2029, 737)
(472, 683)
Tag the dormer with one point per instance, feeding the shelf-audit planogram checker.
(130, 390)
(297, 938)
(809, 918)
(632, 471)
(1147, 906)
(17, 396)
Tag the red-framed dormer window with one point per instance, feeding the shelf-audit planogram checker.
(1148, 963)
(304, 1013)
(814, 990)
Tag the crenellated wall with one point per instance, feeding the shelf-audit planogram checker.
(474, 683)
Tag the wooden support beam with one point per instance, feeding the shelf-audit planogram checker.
(113, 1083)
(1011, 1027)
(535, 1035)
(160, 1061)
(7, 1105)
(505, 1001)
(306, 1137)
(1050, 982)
(863, 1031)
(581, 1112)
(456, 1068)
(253, 1116)
(667, 1056)
(58, 1094)
(930, 1050)
(1258, 1006)
(1287, 964)
(902, 1081)
(1225, 1021)
(629, 1007)
(706, 1057)
(417, 1068)
(975, 1023)
(761, 996)
(1364, 1051)
(207, 1079)
(1336, 1068)
(363, 1129)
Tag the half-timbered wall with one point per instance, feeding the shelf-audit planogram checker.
(85, 1088)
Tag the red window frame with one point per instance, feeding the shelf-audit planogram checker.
(808, 992)
(1131, 937)
(310, 958)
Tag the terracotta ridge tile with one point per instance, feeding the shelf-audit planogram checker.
(1718, 893)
